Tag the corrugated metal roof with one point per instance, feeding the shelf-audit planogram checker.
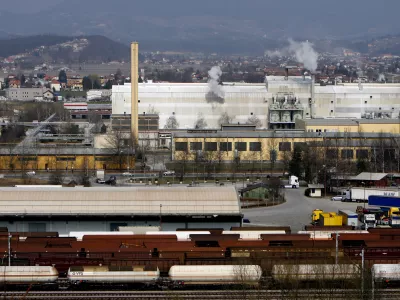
(315, 186)
(279, 134)
(120, 201)
(366, 90)
(348, 122)
(370, 176)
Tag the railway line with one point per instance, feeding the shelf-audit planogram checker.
(217, 295)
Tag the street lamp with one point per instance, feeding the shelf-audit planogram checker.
(363, 184)
(160, 217)
(9, 249)
(324, 166)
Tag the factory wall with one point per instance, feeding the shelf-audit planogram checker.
(63, 162)
(187, 101)
(362, 126)
(65, 227)
(283, 147)
(240, 101)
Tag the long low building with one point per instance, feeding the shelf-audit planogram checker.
(105, 209)
(277, 103)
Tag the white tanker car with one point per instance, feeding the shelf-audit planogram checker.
(190, 275)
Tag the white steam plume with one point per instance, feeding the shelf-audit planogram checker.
(274, 54)
(213, 82)
(302, 51)
(381, 78)
(305, 54)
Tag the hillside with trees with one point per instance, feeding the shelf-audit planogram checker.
(64, 49)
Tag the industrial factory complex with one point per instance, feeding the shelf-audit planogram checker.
(277, 104)
(144, 225)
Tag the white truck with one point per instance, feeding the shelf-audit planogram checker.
(359, 194)
(369, 220)
(100, 174)
(293, 183)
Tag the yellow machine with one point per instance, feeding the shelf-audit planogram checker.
(394, 212)
(316, 214)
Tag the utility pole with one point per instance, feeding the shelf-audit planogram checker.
(337, 248)
(362, 272)
(9, 249)
(160, 217)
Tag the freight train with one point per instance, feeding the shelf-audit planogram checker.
(133, 276)
(196, 276)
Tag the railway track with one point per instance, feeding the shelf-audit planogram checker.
(194, 295)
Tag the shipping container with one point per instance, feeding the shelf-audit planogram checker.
(330, 219)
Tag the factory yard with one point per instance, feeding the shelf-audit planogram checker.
(296, 211)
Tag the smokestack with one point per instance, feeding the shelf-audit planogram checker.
(286, 73)
(134, 91)
(312, 95)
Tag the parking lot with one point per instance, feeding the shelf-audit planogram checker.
(296, 211)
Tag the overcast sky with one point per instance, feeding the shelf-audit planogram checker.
(300, 17)
(27, 6)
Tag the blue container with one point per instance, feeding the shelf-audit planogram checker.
(384, 201)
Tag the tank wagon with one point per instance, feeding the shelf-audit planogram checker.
(218, 274)
(322, 272)
(110, 275)
(178, 276)
(28, 275)
(386, 274)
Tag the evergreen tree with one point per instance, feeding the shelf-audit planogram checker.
(295, 165)
(62, 76)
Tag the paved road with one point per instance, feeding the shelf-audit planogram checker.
(296, 211)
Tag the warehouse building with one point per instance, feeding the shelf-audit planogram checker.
(105, 209)
(277, 104)
(349, 125)
(259, 145)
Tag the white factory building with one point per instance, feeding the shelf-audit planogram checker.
(277, 103)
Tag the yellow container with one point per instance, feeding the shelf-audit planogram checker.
(331, 219)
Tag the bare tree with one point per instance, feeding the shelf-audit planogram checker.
(152, 110)
(200, 122)
(172, 123)
(182, 157)
(272, 147)
(119, 143)
(225, 118)
(254, 120)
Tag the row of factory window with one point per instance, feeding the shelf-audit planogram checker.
(213, 146)
(256, 146)
(73, 159)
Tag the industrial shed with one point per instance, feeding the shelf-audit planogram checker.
(105, 209)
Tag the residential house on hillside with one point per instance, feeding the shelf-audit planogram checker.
(55, 86)
(14, 83)
(48, 95)
(75, 84)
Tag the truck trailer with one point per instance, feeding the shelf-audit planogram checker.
(359, 194)
(349, 218)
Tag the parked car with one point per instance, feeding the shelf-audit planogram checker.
(112, 180)
(169, 173)
(337, 198)
(31, 173)
(100, 181)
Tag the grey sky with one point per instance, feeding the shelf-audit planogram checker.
(305, 18)
(28, 6)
